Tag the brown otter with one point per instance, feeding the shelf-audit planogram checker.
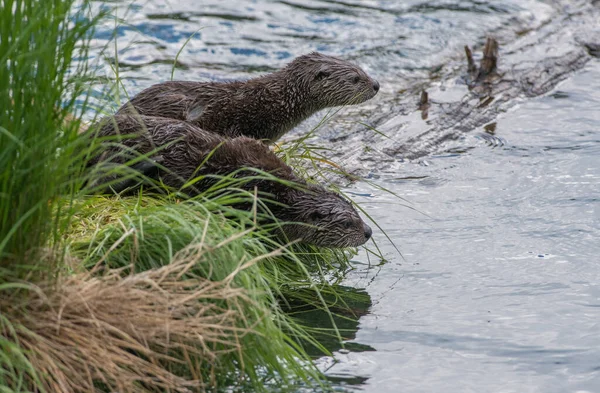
(186, 152)
(262, 108)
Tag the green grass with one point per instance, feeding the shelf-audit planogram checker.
(140, 234)
(39, 82)
(38, 90)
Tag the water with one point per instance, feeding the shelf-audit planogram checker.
(498, 288)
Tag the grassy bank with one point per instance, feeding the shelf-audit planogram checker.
(134, 294)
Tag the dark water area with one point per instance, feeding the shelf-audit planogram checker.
(498, 285)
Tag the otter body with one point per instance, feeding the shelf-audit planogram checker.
(185, 152)
(261, 108)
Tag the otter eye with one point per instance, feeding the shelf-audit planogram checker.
(348, 224)
(321, 75)
(356, 79)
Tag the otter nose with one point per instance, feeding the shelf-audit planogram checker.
(368, 231)
(375, 85)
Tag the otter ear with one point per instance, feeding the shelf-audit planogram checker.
(322, 74)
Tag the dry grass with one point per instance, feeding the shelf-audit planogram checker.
(87, 333)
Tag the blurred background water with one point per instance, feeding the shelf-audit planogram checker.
(498, 287)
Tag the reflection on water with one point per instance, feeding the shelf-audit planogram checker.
(499, 287)
(347, 306)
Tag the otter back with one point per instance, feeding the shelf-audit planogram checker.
(176, 152)
(261, 108)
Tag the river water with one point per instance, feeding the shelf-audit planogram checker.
(498, 285)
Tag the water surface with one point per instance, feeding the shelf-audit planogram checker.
(499, 290)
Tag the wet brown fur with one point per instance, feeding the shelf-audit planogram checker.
(183, 150)
(262, 108)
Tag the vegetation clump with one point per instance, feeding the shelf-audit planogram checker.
(130, 294)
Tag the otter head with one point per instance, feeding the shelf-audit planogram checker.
(332, 81)
(322, 218)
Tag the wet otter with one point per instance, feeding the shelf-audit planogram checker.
(186, 152)
(262, 108)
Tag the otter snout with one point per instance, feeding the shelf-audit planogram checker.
(375, 85)
(368, 231)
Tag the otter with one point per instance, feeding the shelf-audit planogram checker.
(262, 108)
(174, 151)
